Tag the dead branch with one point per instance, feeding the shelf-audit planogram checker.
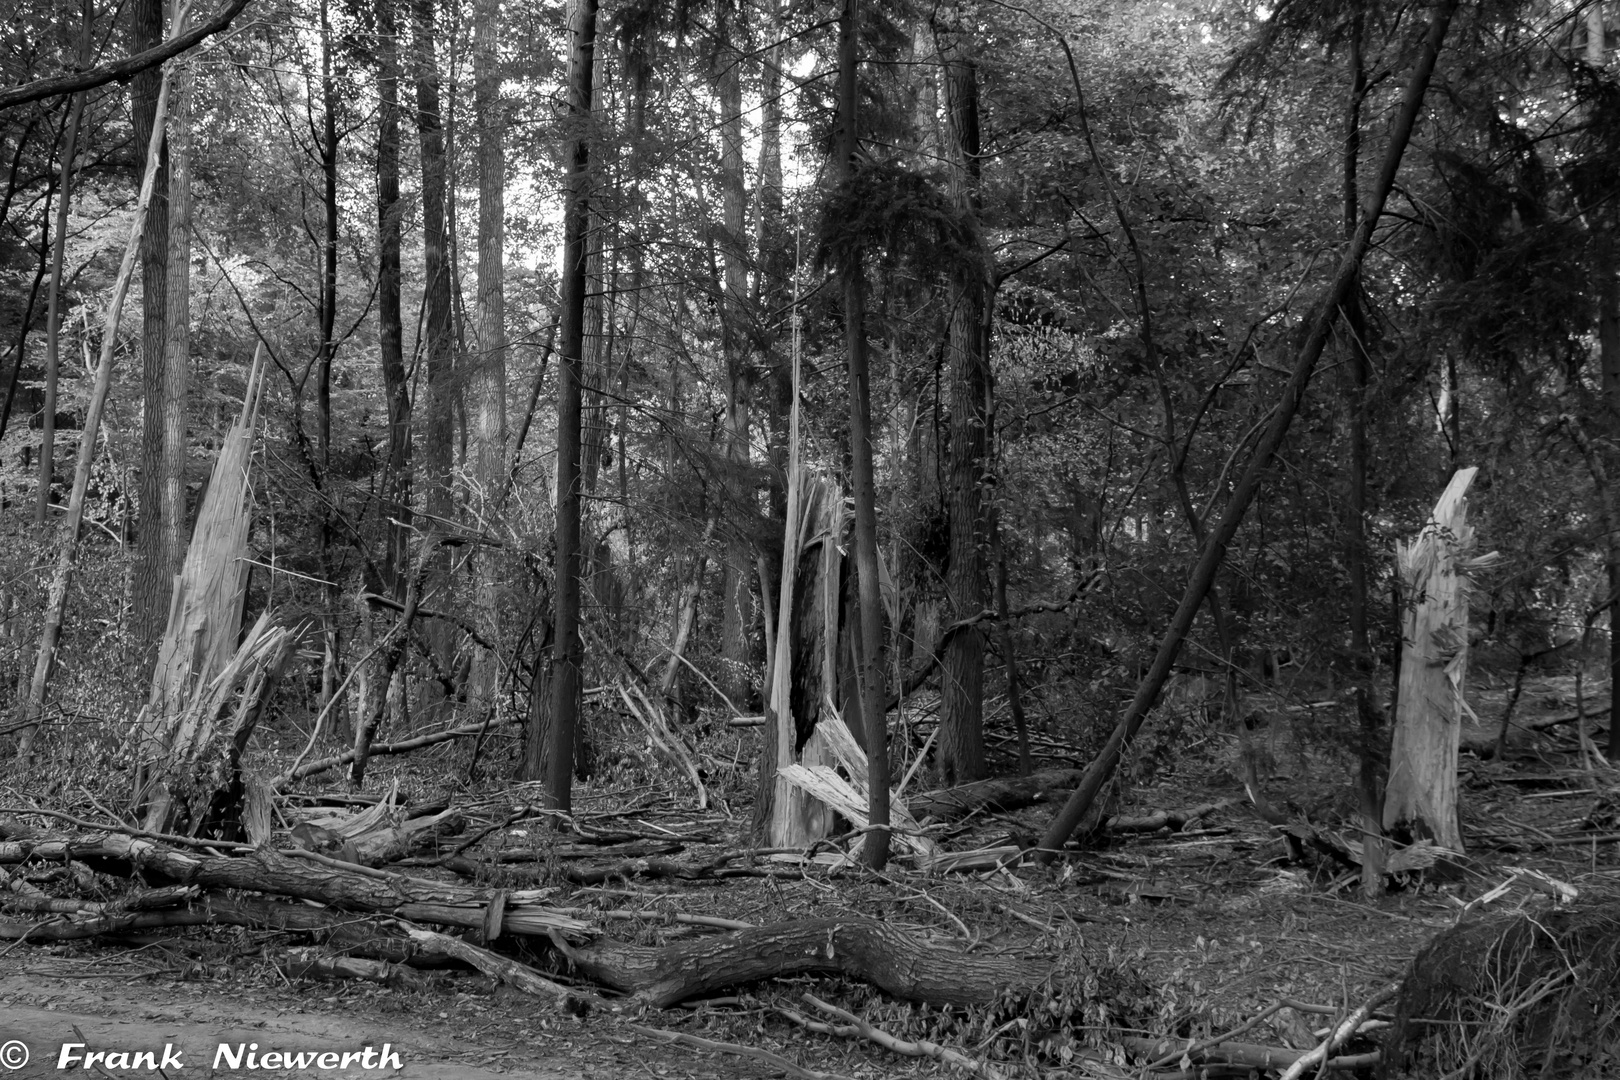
(403, 746)
(855, 1026)
(1342, 1031)
(121, 69)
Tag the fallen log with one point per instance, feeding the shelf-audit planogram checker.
(874, 952)
(1174, 820)
(308, 963)
(311, 877)
(1001, 793)
(368, 937)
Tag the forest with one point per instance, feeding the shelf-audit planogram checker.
(846, 537)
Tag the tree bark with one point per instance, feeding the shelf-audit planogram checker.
(1214, 550)
(961, 735)
(1608, 290)
(488, 375)
(177, 305)
(1369, 782)
(869, 638)
(566, 674)
(736, 598)
(396, 504)
(53, 321)
(154, 565)
(50, 635)
(439, 436)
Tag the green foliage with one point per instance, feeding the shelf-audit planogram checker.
(902, 217)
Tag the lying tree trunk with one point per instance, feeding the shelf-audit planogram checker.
(865, 949)
(308, 963)
(1001, 793)
(309, 877)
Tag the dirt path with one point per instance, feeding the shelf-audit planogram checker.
(467, 1037)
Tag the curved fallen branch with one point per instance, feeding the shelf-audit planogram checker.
(855, 1026)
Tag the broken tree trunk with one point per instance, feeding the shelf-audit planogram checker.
(871, 951)
(1420, 797)
(805, 669)
(200, 666)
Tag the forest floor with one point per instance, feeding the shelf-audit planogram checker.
(1188, 934)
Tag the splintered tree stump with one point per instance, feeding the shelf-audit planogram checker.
(1001, 793)
(864, 949)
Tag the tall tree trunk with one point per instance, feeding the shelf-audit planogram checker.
(53, 321)
(566, 675)
(50, 635)
(439, 437)
(390, 333)
(1608, 289)
(177, 301)
(154, 566)
(1237, 504)
(328, 322)
(961, 734)
(736, 598)
(1369, 782)
(488, 375)
(869, 640)
(329, 259)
